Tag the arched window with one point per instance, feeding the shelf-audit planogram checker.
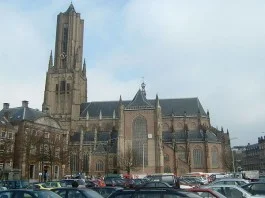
(85, 162)
(99, 165)
(139, 143)
(214, 153)
(166, 157)
(167, 169)
(182, 153)
(74, 162)
(198, 158)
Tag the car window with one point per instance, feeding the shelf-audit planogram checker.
(6, 194)
(62, 193)
(75, 194)
(230, 183)
(26, 195)
(240, 183)
(206, 194)
(258, 187)
(219, 189)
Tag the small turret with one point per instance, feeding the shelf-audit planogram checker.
(157, 101)
(143, 88)
(84, 68)
(51, 61)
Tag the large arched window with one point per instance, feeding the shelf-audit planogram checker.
(197, 157)
(74, 162)
(99, 165)
(139, 143)
(214, 153)
(182, 153)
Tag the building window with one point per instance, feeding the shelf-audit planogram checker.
(56, 88)
(214, 153)
(197, 158)
(182, 153)
(85, 162)
(99, 165)
(65, 37)
(62, 87)
(68, 87)
(74, 163)
(10, 136)
(166, 157)
(3, 134)
(56, 172)
(167, 169)
(46, 135)
(31, 171)
(139, 143)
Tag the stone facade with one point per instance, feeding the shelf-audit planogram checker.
(104, 134)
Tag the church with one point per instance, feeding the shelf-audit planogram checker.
(144, 135)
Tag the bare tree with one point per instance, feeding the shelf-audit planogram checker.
(127, 161)
(6, 154)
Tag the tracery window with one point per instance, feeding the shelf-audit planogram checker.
(166, 157)
(139, 143)
(85, 162)
(214, 153)
(99, 165)
(74, 162)
(198, 158)
(182, 153)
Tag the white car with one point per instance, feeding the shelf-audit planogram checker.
(233, 191)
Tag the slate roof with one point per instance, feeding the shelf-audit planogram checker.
(22, 113)
(195, 135)
(70, 9)
(176, 106)
(139, 102)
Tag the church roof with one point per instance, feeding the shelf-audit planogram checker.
(177, 106)
(139, 102)
(194, 135)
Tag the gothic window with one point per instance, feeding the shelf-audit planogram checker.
(62, 86)
(85, 162)
(31, 171)
(182, 153)
(165, 127)
(214, 153)
(139, 143)
(167, 169)
(68, 87)
(56, 88)
(197, 158)
(99, 165)
(166, 157)
(65, 37)
(74, 163)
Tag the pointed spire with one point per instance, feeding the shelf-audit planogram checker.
(87, 115)
(114, 114)
(222, 129)
(100, 115)
(157, 101)
(120, 99)
(84, 67)
(51, 60)
(143, 87)
(70, 8)
(227, 131)
(208, 114)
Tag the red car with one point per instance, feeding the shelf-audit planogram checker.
(204, 192)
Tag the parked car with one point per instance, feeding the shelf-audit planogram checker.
(76, 192)
(168, 178)
(106, 191)
(55, 184)
(152, 192)
(156, 185)
(15, 184)
(255, 188)
(69, 182)
(229, 181)
(206, 193)
(28, 193)
(232, 191)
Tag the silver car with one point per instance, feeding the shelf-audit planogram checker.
(232, 191)
(230, 181)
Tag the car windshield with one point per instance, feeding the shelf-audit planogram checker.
(46, 194)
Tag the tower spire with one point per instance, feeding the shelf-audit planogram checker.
(51, 60)
(84, 67)
(143, 87)
(70, 8)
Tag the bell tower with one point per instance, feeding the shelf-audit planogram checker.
(66, 82)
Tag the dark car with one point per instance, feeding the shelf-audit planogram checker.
(156, 185)
(28, 193)
(152, 193)
(255, 188)
(106, 191)
(76, 192)
(15, 184)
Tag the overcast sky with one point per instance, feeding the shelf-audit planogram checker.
(213, 50)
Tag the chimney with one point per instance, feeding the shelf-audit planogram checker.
(25, 103)
(6, 106)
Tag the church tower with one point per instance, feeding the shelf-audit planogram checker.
(66, 82)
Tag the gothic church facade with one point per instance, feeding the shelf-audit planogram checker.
(139, 136)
